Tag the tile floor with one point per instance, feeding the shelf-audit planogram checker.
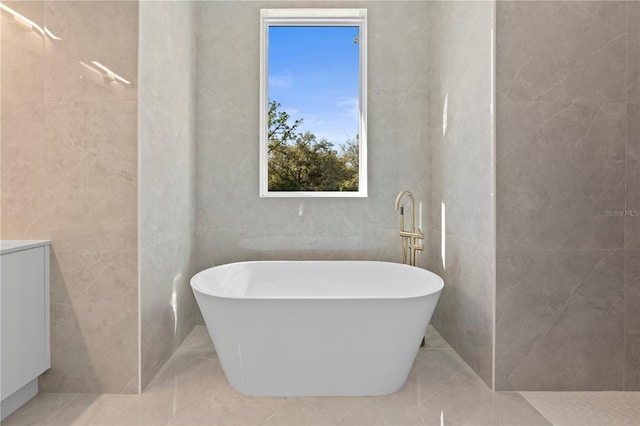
(191, 390)
(587, 408)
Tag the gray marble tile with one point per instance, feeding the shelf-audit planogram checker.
(520, 123)
(325, 245)
(298, 216)
(633, 51)
(40, 409)
(560, 320)
(464, 314)
(587, 408)
(434, 341)
(197, 340)
(564, 180)
(402, 407)
(461, 139)
(514, 410)
(337, 411)
(464, 400)
(164, 23)
(461, 175)
(189, 381)
(632, 320)
(167, 305)
(99, 409)
(435, 371)
(217, 247)
(465, 189)
(588, 66)
(632, 169)
(558, 189)
(167, 180)
(167, 122)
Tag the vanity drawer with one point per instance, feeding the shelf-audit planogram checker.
(24, 317)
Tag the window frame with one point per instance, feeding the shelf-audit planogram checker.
(312, 17)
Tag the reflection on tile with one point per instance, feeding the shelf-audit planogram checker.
(466, 400)
(191, 389)
(23, 128)
(89, 34)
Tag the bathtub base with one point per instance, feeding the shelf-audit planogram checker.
(279, 349)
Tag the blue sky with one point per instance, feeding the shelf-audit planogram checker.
(314, 74)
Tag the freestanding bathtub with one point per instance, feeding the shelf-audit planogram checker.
(316, 328)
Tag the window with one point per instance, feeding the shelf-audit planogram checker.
(313, 103)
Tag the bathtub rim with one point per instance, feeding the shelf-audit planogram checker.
(438, 285)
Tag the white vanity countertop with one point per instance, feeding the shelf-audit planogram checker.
(9, 246)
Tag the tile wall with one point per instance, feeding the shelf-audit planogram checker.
(233, 222)
(461, 237)
(69, 174)
(167, 179)
(568, 87)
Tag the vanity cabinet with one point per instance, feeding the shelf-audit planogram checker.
(24, 320)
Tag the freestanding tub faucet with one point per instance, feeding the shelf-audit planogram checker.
(411, 240)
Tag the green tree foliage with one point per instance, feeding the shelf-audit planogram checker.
(300, 162)
(351, 157)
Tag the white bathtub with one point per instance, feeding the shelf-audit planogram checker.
(316, 328)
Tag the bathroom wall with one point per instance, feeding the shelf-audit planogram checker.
(69, 150)
(22, 110)
(461, 236)
(167, 179)
(568, 288)
(233, 222)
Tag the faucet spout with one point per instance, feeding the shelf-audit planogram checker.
(413, 208)
(411, 239)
